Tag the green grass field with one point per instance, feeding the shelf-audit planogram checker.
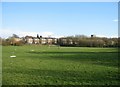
(42, 65)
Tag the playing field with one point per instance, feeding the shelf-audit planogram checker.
(43, 65)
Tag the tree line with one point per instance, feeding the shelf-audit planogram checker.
(11, 41)
(84, 41)
(75, 41)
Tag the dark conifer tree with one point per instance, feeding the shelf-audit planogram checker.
(38, 36)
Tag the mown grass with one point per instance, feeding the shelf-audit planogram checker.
(43, 65)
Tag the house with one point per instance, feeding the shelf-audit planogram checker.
(29, 39)
(66, 41)
(49, 40)
(40, 40)
(43, 41)
(63, 41)
(36, 40)
(70, 41)
(54, 41)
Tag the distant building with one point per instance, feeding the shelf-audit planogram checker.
(29, 39)
(49, 40)
(66, 41)
(70, 41)
(40, 40)
(55, 41)
(43, 41)
(36, 40)
(63, 41)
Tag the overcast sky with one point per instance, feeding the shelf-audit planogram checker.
(59, 18)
